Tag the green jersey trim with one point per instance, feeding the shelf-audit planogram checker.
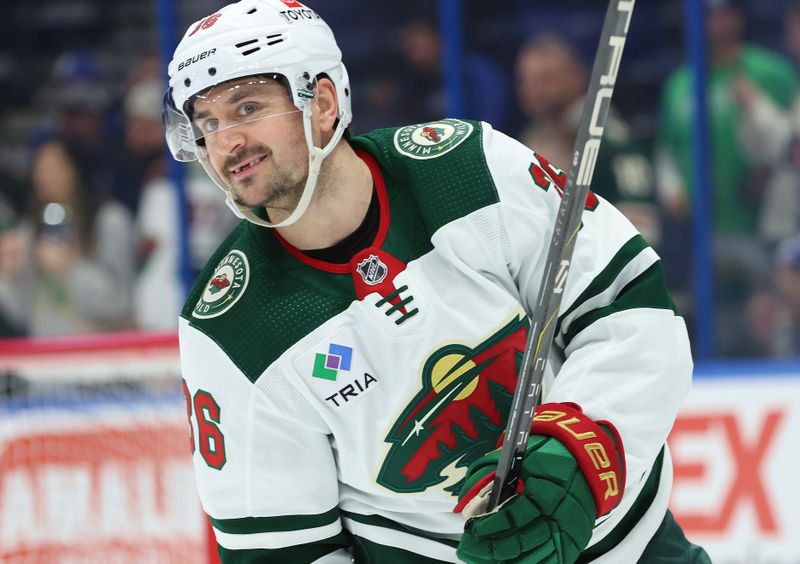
(648, 290)
(446, 188)
(603, 281)
(368, 552)
(299, 554)
(380, 521)
(280, 523)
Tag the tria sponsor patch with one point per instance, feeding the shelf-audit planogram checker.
(431, 140)
(327, 366)
(335, 371)
(226, 286)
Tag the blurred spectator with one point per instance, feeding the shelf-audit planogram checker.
(551, 84)
(77, 92)
(741, 263)
(141, 157)
(68, 264)
(775, 316)
(9, 258)
(731, 59)
(551, 87)
(770, 134)
(158, 293)
(486, 92)
(14, 195)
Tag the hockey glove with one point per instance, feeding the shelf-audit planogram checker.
(572, 473)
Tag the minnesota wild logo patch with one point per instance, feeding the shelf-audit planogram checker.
(226, 286)
(457, 415)
(431, 140)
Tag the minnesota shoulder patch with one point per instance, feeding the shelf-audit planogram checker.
(431, 140)
(226, 286)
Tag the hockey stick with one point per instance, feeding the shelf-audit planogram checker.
(528, 391)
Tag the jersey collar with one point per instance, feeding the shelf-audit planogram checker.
(380, 236)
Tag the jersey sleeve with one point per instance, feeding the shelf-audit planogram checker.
(621, 351)
(263, 463)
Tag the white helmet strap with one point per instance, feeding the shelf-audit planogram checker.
(315, 158)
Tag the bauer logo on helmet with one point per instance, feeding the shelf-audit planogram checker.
(196, 58)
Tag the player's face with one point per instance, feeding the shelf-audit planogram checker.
(254, 137)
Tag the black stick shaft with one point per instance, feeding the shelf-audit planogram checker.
(528, 391)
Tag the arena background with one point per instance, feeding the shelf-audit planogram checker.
(94, 460)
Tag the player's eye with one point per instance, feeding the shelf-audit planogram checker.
(247, 109)
(209, 125)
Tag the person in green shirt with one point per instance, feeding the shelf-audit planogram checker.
(770, 134)
(741, 263)
(730, 58)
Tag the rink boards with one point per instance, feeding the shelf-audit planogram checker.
(736, 452)
(91, 472)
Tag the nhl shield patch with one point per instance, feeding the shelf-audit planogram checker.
(431, 140)
(226, 286)
(372, 270)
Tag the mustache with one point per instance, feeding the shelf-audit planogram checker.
(243, 155)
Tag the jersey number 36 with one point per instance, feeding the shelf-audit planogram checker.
(206, 413)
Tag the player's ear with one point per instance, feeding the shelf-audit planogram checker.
(327, 105)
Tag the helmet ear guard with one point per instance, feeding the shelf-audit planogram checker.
(249, 38)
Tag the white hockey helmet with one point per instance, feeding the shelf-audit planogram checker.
(249, 38)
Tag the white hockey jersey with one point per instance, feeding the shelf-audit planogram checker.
(334, 408)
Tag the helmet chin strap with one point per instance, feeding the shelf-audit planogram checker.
(315, 158)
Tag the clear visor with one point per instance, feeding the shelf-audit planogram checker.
(216, 110)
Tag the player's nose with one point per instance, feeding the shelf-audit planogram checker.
(230, 141)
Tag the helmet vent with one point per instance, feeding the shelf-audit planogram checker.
(274, 39)
(256, 44)
(253, 11)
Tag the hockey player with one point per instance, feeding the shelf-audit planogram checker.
(351, 350)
